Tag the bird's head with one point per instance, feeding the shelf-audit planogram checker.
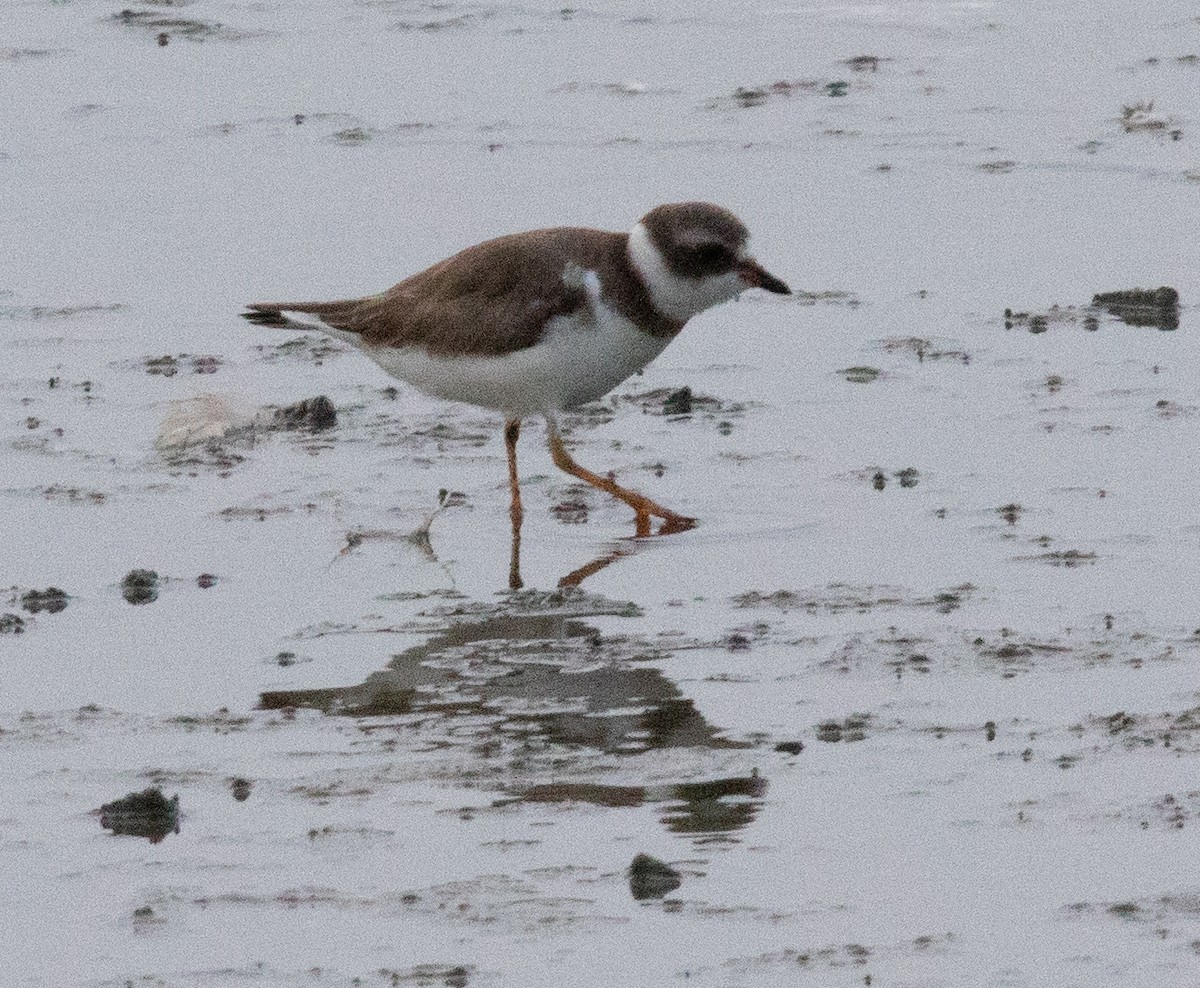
(692, 256)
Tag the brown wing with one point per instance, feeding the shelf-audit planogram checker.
(490, 299)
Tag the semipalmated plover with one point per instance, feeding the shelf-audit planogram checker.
(536, 323)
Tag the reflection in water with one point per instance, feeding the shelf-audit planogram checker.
(580, 573)
(693, 807)
(553, 678)
(515, 665)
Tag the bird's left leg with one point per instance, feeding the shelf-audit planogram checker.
(512, 432)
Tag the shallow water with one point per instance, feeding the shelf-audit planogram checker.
(914, 702)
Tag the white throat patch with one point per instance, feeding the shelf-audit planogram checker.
(674, 296)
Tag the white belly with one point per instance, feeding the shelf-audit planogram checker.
(576, 361)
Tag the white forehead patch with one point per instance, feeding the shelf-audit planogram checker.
(694, 237)
(675, 296)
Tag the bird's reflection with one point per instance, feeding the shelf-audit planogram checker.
(518, 671)
(576, 576)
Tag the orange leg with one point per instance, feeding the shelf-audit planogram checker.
(642, 506)
(512, 432)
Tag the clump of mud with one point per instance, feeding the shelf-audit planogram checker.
(140, 586)
(853, 728)
(312, 348)
(1140, 118)
(146, 814)
(154, 21)
(907, 477)
(676, 402)
(861, 374)
(865, 63)
(839, 598)
(168, 365)
(650, 878)
(745, 97)
(1068, 558)
(1010, 512)
(1157, 307)
(12, 624)
(52, 600)
(163, 26)
(312, 414)
(923, 349)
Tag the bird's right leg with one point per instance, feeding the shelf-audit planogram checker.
(642, 506)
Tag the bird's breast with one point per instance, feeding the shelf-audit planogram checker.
(578, 358)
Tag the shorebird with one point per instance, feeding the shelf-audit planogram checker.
(537, 323)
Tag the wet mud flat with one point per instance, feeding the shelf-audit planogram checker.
(914, 704)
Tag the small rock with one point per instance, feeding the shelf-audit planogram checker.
(1155, 307)
(314, 414)
(52, 599)
(678, 402)
(146, 814)
(650, 878)
(140, 586)
(12, 624)
(861, 374)
(240, 788)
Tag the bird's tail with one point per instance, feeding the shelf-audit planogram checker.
(273, 313)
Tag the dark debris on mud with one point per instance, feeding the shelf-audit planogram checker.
(162, 25)
(168, 365)
(907, 477)
(1068, 558)
(57, 311)
(923, 349)
(12, 624)
(1156, 308)
(146, 814)
(140, 586)
(745, 97)
(52, 600)
(312, 348)
(840, 598)
(650, 878)
(311, 414)
(852, 728)
(682, 402)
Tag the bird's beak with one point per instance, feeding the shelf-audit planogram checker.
(754, 275)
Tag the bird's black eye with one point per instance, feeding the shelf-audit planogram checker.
(712, 257)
